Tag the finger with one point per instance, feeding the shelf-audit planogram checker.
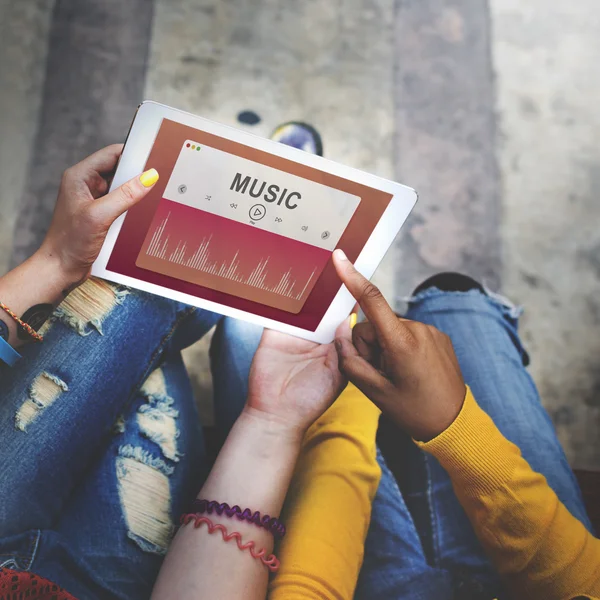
(97, 185)
(364, 338)
(372, 302)
(286, 342)
(344, 329)
(102, 161)
(363, 375)
(450, 351)
(125, 196)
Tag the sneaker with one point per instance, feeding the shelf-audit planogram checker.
(450, 282)
(299, 135)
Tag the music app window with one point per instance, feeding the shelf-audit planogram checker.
(244, 228)
(241, 227)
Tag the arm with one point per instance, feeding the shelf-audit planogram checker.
(292, 382)
(32, 290)
(82, 217)
(253, 470)
(540, 549)
(411, 372)
(328, 508)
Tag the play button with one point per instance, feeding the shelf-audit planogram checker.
(257, 212)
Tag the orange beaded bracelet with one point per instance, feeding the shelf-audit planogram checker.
(32, 332)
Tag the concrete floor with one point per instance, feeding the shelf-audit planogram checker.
(488, 108)
(547, 98)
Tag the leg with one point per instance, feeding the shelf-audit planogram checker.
(115, 530)
(113, 533)
(484, 334)
(59, 404)
(233, 347)
(395, 565)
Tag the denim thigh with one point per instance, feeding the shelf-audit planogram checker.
(395, 565)
(58, 405)
(483, 331)
(232, 350)
(114, 530)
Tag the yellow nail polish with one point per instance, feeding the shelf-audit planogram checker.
(149, 177)
(353, 319)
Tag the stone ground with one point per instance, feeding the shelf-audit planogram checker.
(487, 108)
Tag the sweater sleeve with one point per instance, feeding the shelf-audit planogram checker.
(540, 549)
(328, 507)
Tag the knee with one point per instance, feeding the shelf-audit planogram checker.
(241, 333)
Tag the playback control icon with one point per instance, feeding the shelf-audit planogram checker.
(257, 212)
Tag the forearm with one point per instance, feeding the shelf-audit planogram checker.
(39, 282)
(535, 543)
(83, 214)
(253, 470)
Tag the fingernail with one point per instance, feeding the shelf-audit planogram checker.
(149, 178)
(353, 319)
(340, 254)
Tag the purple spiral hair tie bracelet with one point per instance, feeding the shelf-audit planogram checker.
(272, 524)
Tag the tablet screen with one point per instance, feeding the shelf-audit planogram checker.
(242, 227)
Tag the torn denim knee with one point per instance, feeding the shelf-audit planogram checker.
(87, 306)
(156, 418)
(143, 478)
(43, 392)
(145, 496)
(433, 300)
(508, 308)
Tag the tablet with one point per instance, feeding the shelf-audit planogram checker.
(245, 226)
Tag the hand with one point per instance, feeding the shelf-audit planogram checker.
(84, 212)
(293, 381)
(407, 368)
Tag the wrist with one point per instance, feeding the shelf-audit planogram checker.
(255, 464)
(53, 267)
(441, 416)
(273, 427)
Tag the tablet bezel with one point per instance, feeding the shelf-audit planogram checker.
(140, 140)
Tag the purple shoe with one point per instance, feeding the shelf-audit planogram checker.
(299, 135)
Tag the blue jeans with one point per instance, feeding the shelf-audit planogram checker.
(100, 440)
(102, 449)
(421, 544)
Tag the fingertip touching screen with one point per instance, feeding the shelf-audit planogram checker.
(239, 226)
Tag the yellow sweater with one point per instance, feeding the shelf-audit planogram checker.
(539, 548)
(328, 506)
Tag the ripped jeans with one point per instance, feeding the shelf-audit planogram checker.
(101, 447)
(100, 441)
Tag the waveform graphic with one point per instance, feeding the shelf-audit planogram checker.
(201, 257)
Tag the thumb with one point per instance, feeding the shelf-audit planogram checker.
(344, 329)
(125, 196)
(362, 374)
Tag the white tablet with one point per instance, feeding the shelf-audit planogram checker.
(245, 226)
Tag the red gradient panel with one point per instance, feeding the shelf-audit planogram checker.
(231, 257)
(138, 222)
